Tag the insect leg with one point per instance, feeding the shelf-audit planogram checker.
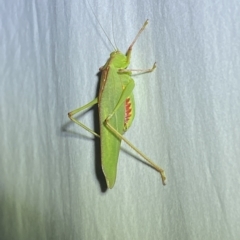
(87, 106)
(129, 51)
(120, 136)
(138, 70)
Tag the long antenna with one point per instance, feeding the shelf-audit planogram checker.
(101, 26)
(112, 26)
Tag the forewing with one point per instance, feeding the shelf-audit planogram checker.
(110, 91)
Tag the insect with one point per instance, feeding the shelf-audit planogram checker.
(116, 110)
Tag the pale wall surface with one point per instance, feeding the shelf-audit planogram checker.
(188, 121)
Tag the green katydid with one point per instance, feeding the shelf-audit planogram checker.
(116, 110)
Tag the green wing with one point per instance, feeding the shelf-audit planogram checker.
(111, 88)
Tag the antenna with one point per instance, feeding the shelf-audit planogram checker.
(112, 26)
(101, 26)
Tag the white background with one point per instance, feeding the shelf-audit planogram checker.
(187, 121)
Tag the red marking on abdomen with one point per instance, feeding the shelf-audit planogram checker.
(128, 110)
